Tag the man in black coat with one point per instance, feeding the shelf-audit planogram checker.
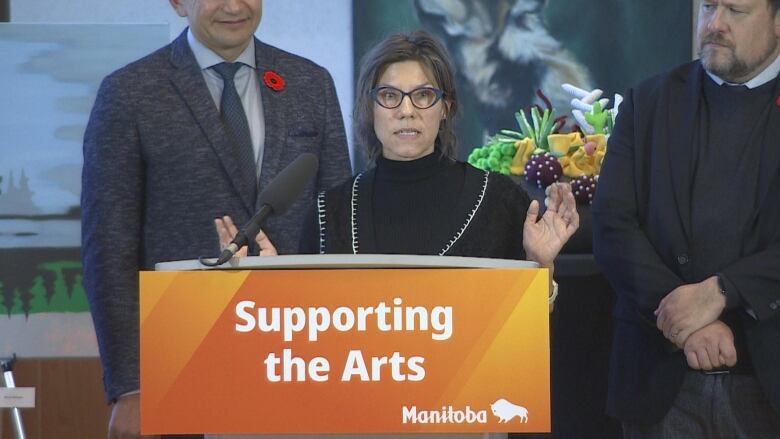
(687, 231)
(162, 160)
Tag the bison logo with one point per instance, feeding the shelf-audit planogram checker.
(505, 411)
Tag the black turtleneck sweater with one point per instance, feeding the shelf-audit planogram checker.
(416, 199)
(429, 206)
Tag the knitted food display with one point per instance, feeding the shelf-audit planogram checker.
(539, 151)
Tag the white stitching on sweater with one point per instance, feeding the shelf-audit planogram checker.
(354, 213)
(321, 219)
(468, 220)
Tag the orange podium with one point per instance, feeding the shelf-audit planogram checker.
(345, 344)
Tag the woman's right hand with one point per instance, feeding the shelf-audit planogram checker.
(544, 238)
(226, 231)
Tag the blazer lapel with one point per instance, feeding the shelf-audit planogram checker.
(273, 114)
(188, 81)
(770, 155)
(683, 112)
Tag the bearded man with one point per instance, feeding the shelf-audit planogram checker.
(687, 230)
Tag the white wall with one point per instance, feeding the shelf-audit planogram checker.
(320, 30)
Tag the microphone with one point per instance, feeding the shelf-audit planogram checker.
(274, 200)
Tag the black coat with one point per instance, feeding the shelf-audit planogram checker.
(642, 231)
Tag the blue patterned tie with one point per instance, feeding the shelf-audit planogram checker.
(235, 120)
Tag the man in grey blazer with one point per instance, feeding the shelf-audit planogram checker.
(161, 163)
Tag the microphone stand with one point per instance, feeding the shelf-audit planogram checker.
(8, 376)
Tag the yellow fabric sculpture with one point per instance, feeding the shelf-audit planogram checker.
(525, 148)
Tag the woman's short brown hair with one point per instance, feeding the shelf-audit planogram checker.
(431, 54)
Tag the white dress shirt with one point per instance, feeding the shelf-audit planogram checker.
(247, 84)
(769, 73)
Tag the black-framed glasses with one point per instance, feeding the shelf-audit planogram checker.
(391, 97)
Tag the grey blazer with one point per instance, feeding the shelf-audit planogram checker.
(157, 172)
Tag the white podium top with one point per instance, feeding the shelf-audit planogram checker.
(347, 261)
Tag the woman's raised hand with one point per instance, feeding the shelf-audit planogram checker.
(543, 238)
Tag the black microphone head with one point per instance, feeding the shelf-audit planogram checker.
(289, 183)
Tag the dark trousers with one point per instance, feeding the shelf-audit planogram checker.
(716, 406)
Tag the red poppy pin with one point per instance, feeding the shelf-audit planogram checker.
(273, 80)
(778, 101)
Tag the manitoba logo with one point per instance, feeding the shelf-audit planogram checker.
(505, 411)
(447, 415)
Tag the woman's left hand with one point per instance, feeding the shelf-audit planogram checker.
(227, 230)
(544, 238)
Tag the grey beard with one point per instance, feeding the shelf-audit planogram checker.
(735, 70)
(730, 72)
